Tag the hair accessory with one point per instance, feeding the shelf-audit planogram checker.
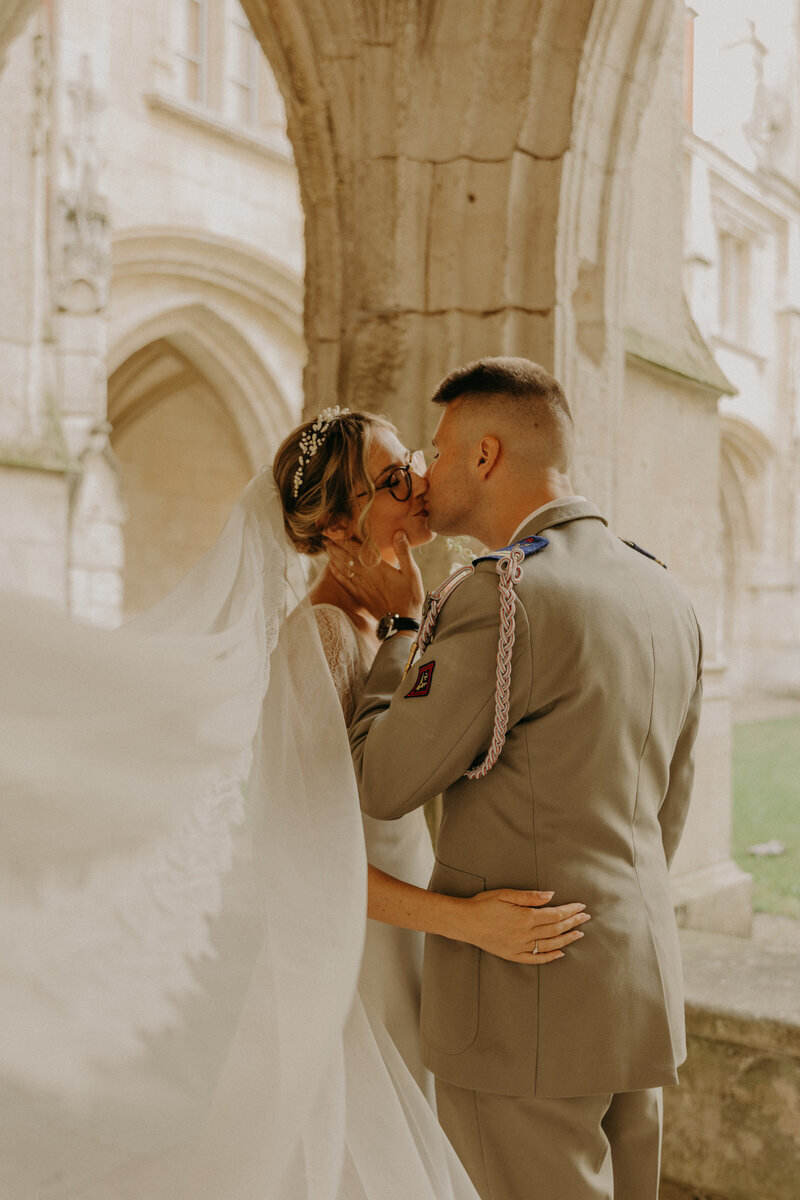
(312, 439)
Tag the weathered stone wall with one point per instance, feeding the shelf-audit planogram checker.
(33, 549)
(138, 220)
(35, 464)
(429, 141)
(666, 475)
(732, 1127)
(742, 274)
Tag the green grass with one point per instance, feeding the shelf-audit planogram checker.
(766, 805)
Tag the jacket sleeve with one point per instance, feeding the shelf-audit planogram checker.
(408, 748)
(675, 805)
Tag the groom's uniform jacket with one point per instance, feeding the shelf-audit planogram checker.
(588, 799)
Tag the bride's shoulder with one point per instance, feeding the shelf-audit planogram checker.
(331, 617)
(336, 630)
(342, 651)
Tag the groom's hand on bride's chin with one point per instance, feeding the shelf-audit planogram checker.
(521, 926)
(379, 587)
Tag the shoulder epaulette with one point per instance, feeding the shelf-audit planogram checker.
(646, 553)
(528, 546)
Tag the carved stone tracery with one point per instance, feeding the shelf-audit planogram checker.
(83, 207)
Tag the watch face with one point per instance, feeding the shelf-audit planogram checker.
(385, 626)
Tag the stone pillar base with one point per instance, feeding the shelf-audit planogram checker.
(715, 899)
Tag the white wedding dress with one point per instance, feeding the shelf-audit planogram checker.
(182, 907)
(391, 972)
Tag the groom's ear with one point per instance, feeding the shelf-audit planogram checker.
(488, 455)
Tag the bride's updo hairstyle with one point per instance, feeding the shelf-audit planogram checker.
(319, 489)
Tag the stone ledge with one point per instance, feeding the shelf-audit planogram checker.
(38, 459)
(732, 1128)
(271, 146)
(714, 899)
(687, 356)
(742, 991)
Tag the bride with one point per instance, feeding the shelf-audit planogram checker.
(183, 877)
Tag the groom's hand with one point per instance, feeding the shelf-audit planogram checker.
(519, 926)
(380, 587)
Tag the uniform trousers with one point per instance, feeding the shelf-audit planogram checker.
(604, 1147)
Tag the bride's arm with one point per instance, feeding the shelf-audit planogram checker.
(504, 922)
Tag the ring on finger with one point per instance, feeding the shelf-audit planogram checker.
(536, 947)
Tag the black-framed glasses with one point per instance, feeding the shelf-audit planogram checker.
(398, 483)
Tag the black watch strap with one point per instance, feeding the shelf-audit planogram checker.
(392, 623)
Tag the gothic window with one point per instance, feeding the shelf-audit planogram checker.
(221, 68)
(242, 54)
(735, 286)
(192, 39)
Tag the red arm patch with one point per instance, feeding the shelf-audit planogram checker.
(423, 684)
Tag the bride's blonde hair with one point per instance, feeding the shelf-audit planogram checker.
(330, 479)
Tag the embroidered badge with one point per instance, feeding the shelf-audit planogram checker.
(423, 684)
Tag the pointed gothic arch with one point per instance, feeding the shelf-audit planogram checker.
(236, 314)
(745, 456)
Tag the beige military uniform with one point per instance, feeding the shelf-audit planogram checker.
(588, 799)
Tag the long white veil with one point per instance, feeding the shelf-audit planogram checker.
(182, 906)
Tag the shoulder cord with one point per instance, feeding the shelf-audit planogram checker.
(433, 604)
(509, 568)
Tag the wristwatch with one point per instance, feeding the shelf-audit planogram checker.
(391, 623)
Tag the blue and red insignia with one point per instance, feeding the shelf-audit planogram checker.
(423, 684)
(528, 546)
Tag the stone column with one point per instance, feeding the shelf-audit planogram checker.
(429, 141)
(35, 464)
(80, 257)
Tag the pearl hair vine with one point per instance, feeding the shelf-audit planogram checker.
(311, 441)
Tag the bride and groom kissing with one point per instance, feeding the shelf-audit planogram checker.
(182, 892)
(554, 706)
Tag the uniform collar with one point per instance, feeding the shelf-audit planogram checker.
(556, 512)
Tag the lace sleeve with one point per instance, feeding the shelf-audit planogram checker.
(340, 644)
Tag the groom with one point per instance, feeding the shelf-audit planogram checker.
(548, 1081)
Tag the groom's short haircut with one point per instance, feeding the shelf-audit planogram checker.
(523, 390)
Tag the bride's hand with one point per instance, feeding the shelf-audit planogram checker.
(514, 925)
(382, 588)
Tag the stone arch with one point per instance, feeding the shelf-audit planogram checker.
(205, 369)
(235, 313)
(217, 352)
(462, 257)
(623, 44)
(181, 461)
(745, 456)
